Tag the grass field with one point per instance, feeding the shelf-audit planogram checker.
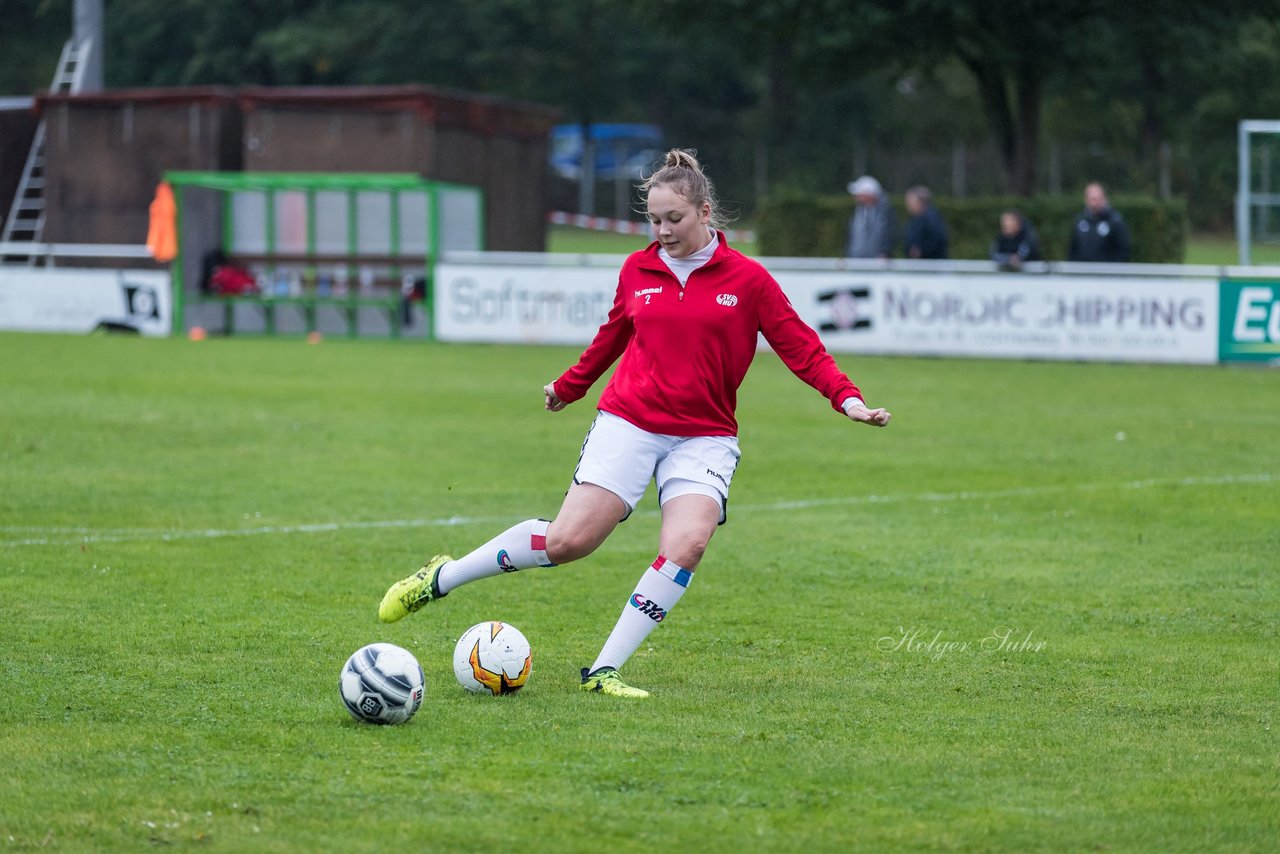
(1216, 249)
(1223, 249)
(1040, 611)
(568, 238)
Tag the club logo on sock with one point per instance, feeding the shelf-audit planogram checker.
(504, 562)
(648, 607)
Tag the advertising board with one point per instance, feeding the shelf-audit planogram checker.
(80, 300)
(1249, 329)
(1093, 318)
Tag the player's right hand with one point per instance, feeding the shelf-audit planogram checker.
(874, 417)
(553, 402)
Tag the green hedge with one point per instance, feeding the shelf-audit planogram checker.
(817, 226)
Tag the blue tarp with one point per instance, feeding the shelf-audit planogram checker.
(634, 147)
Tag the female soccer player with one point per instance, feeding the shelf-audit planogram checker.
(684, 322)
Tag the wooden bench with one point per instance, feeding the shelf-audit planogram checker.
(377, 291)
(392, 306)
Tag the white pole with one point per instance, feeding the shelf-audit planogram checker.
(1242, 196)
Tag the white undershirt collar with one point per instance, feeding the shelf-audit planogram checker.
(683, 267)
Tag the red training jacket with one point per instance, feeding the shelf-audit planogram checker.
(686, 350)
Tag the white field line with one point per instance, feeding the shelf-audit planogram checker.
(36, 536)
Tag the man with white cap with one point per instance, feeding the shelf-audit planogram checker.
(871, 229)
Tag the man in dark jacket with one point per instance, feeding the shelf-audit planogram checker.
(926, 234)
(1100, 234)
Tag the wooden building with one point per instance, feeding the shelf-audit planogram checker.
(106, 151)
(17, 131)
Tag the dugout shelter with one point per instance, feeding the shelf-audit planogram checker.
(346, 252)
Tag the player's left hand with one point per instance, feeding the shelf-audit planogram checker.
(875, 417)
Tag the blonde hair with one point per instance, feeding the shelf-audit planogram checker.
(683, 173)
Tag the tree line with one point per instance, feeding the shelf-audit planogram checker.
(977, 96)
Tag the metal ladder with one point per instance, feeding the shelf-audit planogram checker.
(25, 223)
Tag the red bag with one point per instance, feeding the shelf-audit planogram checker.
(229, 280)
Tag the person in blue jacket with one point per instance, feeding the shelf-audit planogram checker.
(1016, 244)
(926, 234)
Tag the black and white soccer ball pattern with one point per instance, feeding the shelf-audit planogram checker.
(381, 684)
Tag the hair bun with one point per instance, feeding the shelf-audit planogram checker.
(685, 157)
(682, 172)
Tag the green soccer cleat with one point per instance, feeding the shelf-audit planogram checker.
(409, 594)
(607, 681)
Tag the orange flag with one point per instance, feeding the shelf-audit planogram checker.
(162, 234)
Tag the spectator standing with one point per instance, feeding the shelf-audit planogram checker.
(926, 233)
(1016, 243)
(871, 228)
(1100, 233)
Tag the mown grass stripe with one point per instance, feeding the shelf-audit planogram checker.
(87, 535)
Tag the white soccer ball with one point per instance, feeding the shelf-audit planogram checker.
(492, 658)
(381, 684)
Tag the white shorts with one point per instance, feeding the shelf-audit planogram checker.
(622, 458)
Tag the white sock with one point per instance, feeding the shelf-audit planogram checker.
(521, 546)
(657, 593)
